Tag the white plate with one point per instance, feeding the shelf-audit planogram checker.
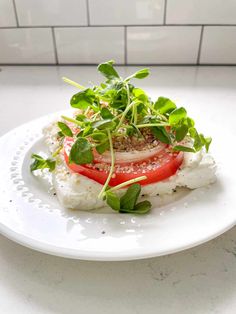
(31, 215)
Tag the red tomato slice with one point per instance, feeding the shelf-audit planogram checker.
(158, 168)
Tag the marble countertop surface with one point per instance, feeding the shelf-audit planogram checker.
(199, 280)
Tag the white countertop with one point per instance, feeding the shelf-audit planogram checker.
(199, 280)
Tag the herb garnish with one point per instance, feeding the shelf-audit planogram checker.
(117, 108)
(41, 163)
(128, 202)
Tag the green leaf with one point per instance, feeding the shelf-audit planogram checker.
(98, 136)
(106, 114)
(140, 94)
(81, 117)
(208, 141)
(87, 130)
(102, 147)
(107, 70)
(199, 141)
(184, 149)
(181, 132)
(113, 200)
(161, 134)
(142, 207)
(60, 135)
(104, 124)
(83, 99)
(139, 74)
(65, 130)
(103, 85)
(198, 144)
(190, 122)
(81, 152)
(111, 90)
(129, 199)
(41, 163)
(164, 105)
(177, 115)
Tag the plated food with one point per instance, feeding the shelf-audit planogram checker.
(120, 146)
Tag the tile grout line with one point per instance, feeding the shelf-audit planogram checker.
(125, 44)
(54, 45)
(121, 64)
(88, 12)
(200, 45)
(109, 25)
(165, 10)
(15, 11)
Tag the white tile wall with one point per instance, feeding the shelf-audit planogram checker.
(126, 12)
(219, 45)
(90, 44)
(26, 46)
(51, 12)
(7, 14)
(129, 31)
(201, 11)
(160, 45)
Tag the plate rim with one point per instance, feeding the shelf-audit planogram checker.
(98, 256)
(94, 255)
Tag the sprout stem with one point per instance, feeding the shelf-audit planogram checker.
(124, 184)
(71, 120)
(57, 151)
(100, 195)
(73, 83)
(151, 124)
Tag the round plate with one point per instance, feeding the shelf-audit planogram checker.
(31, 215)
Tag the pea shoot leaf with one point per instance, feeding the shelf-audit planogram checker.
(81, 117)
(81, 152)
(83, 99)
(184, 149)
(164, 105)
(98, 136)
(129, 199)
(139, 74)
(102, 147)
(60, 135)
(41, 163)
(128, 202)
(106, 113)
(208, 141)
(113, 200)
(65, 130)
(181, 132)
(140, 94)
(177, 115)
(161, 134)
(142, 207)
(108, 70)
(104, 124)
(190, 122)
